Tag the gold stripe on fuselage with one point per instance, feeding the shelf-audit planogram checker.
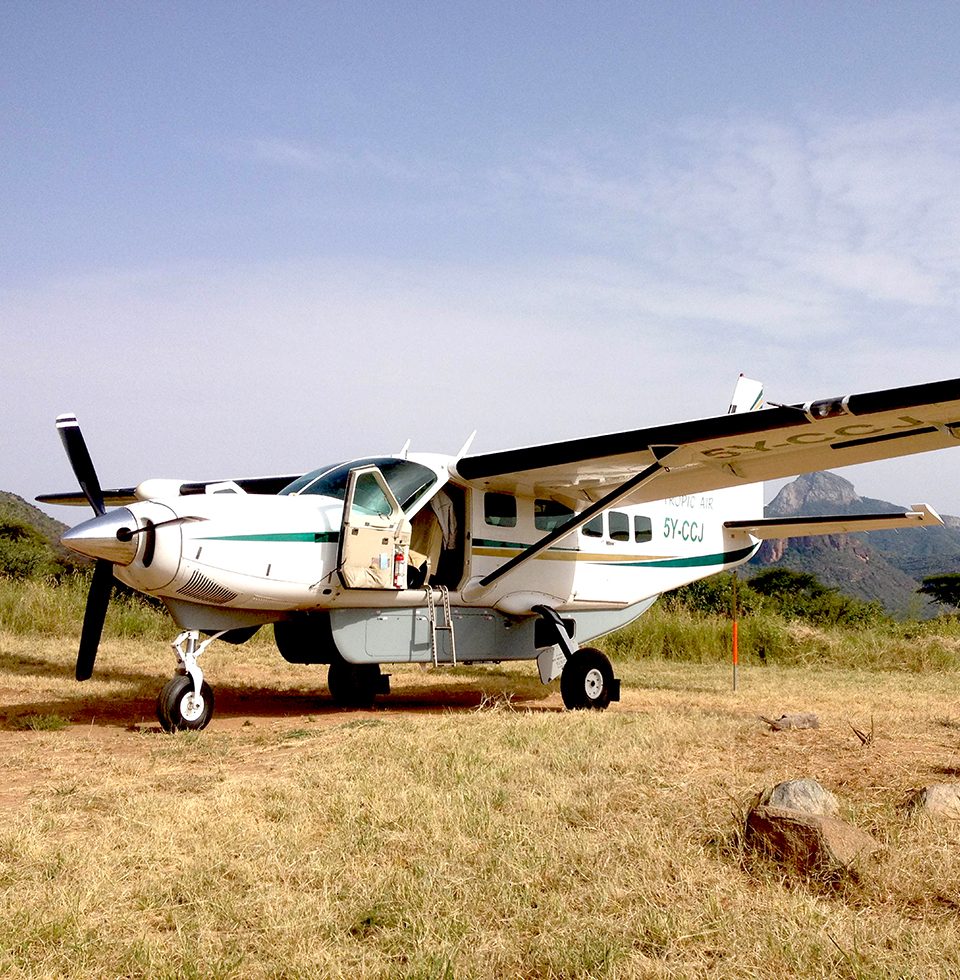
(570, 556)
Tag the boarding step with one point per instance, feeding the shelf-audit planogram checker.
(442, 593)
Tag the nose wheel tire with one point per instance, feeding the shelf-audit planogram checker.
(587, 681)
(180, 709)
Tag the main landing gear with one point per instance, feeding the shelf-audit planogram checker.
(355, 685)
(186, 700)
(586, 680)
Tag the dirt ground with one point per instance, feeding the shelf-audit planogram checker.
(915, 718)
(316, 841)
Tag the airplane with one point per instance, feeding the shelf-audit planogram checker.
(523, 554)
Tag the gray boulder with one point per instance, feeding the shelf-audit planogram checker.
(805, 719)
(801, 796)
(938, 799)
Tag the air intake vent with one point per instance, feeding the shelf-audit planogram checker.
(206, 590)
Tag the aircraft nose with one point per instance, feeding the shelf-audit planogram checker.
(104, 537)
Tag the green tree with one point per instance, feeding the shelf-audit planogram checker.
(800, 595)
(942, 588)
(713, 595)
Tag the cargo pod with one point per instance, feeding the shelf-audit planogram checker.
(375, 537)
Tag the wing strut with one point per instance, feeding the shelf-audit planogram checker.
(577, 521)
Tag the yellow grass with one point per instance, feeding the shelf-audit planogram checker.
(499, 837)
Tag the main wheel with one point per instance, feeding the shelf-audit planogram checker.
(355, 685)
(179, 708)
(587, 681)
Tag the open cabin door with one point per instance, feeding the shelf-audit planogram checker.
(375, 536)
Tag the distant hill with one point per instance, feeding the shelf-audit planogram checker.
(13, 506)
(16, 511)
(883, 565)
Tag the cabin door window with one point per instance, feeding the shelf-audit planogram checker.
(375, 536)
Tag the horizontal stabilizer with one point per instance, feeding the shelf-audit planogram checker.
(920, 515)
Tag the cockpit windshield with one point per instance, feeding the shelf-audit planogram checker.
(407, 480)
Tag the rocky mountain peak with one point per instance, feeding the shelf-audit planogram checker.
(813, 494)
(884, 565)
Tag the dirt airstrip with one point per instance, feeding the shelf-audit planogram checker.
(465, 826)
(915, 719)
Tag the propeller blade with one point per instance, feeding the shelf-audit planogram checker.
(96, 612)
(73, 443)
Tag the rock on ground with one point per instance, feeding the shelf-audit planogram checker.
(808, 843)
(802, 795)
(806, 719)
(938, 799)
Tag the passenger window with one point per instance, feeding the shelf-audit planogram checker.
(548, 514)
(642, 529)
(619, 526)
(500, 509)
(594, 527)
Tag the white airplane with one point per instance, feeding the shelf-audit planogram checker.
(515, 555)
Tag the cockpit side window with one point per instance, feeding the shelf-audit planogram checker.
(369, 499)
(408, 480)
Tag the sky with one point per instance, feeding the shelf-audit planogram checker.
(242, 239)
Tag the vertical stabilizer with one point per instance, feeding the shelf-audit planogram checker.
(747, 499)
(747, 396)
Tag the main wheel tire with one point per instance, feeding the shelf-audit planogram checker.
(178, 709)
(354, 685)
(587, 680)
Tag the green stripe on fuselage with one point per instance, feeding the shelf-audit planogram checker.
(633, 561)
(721, 558)
(306, 537)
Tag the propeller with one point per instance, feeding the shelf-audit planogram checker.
(73, 443)
(98, 598)
(108, 538)
(101, 586)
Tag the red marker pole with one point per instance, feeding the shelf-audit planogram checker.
(735, 647)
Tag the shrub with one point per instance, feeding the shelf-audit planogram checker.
(800, 595)
(25, 552)
(713, 595)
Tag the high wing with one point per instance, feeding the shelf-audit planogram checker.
(920, 515)
(128, 495)
(729, 450)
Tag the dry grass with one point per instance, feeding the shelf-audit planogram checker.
(470, 828)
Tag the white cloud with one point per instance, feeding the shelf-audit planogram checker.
(821, 256)
(776, 220)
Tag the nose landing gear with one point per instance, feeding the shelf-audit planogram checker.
(186, 700)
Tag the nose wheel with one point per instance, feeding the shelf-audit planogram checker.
(186, 700)
(180, 708)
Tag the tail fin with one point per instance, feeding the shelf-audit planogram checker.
(747, 396)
